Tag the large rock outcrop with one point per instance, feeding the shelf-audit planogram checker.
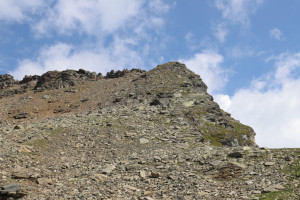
(181, 94)
(67, 78)
(6, 81)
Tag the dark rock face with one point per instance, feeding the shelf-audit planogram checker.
(67, 78)
(28, 79)
(6, 86)
(118, 74)
(6, 81)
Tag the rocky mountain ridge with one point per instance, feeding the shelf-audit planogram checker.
(171, 88)
(131, 135)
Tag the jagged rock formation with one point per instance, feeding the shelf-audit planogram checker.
(67, 78)
(118, 74)
(6, 81)
(180, 93)
(131, 135)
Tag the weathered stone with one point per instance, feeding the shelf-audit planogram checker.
(18, 127)
(21, 115)
(154, 175)
(272, 188)
(46, 96)
(108, 169)
(100, 177)
(21, 173)
(130, 134)
(269, 163)
(142, 174)
(44, 181)
(235, 155)
(188, 103)
(144, 141)
(13, 187)
(25, 149)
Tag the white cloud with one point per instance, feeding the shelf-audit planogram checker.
(16, 10)
(159, 6)
(100, 18)
(220, 32)
(89, 16)
(276, 34)
(223, 100)
(271, 104)
(93, 17)
(287, 66)
(207, 65)
(238, 11)
(189, 37)
(62, 56)
(239, 52)
(124, 31)
(191, 41)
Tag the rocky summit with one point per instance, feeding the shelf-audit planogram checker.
(132, 134)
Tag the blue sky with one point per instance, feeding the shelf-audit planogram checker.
(247, 51)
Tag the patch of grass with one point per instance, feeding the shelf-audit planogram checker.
(218, 135)
(294, 169)
(291, 191)
(54, 135)
(39, 143)
(280, 195)
(58, 130)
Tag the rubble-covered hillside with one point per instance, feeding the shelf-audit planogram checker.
(131, 134)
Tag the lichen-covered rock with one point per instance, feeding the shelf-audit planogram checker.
(28, 79)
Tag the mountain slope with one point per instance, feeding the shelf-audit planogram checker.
(175, 95)
(131, 135)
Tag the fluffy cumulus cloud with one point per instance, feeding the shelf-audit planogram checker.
(276, 34)
(271, 104)
(63, 56)
(90, 16)
(122, 33)
(207, 65)
(100, 17)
